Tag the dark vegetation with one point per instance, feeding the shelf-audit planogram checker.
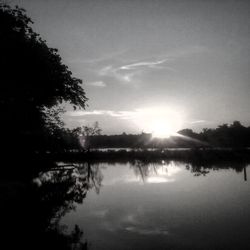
(34, 85)
(197, 156)
(234, 135)
(31, 210)
(224, 142)
(200, 157)
(34, 82)
(82, 139)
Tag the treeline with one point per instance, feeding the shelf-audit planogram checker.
(233, 135)
(85, 138)
(225, 135)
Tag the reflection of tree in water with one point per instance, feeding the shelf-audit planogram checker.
(92, 173)
(44, 202)
(60, 190)
(141, 169)
(205, 168)
(145, 169)
(197, 169)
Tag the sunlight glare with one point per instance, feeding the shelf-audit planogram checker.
(162, 121)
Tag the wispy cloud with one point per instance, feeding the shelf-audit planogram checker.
(149, 119)
(119, 114)
(126, 73)
(125, 67)
(140, 114)
(116, 73)
(148, 64)
(99, 84)
(197, 121)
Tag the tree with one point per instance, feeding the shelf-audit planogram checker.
(34, 81)
(86, 132)
(188, 132)
(236, 124)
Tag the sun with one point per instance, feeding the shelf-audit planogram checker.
(163, 129)
(160, 121)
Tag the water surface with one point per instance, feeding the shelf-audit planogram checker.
(165, 205)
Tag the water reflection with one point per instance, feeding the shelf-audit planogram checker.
(205, 169)
(156, 172)
(245, 174)
(164, 171)
(165, 205)
(138, 205)
(38, 206)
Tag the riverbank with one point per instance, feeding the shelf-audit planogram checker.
(191, 155)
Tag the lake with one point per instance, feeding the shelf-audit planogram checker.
(163, 205)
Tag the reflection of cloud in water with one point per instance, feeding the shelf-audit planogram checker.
(130, 218)
(121, 179)
(159, 179)
(143, 231)
(135, 222)
(132, 223)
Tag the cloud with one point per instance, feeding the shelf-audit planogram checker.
(143, 64)
(130, 70)
(119, 114)
(159, 120)
(99, 84)
(198, 121)
(124, 68)
(127, 72)
(115, 73)
(139, 115)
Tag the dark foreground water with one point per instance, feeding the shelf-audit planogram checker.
(164, 206)
(132, 206)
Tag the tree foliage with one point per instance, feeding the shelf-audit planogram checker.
(34, 80)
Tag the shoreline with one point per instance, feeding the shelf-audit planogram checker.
(191, 155)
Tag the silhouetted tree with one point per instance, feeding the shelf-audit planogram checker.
(233, 135)
(86, 132)
(34, 81)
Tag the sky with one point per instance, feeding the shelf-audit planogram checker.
(144, 63)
